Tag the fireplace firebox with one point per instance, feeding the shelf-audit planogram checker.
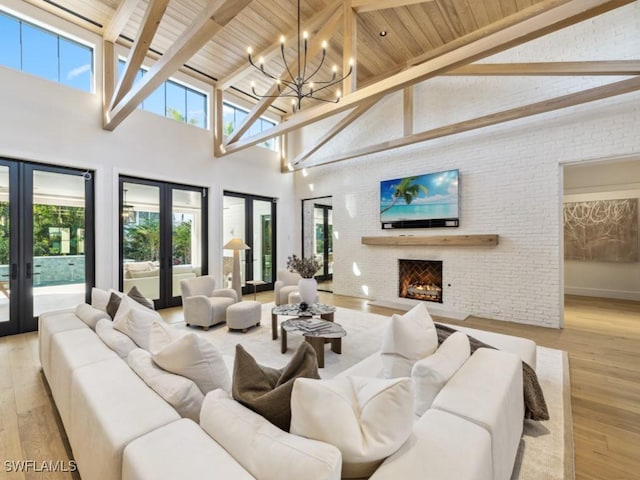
(420, 280)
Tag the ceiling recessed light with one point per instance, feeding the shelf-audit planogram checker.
(383, 33)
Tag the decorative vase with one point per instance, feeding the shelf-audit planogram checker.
(308, 288)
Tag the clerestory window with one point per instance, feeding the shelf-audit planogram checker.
(233, 116)
(38, 51)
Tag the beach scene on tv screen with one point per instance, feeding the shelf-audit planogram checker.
(424, 197)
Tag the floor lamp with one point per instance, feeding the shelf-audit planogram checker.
(236, 244)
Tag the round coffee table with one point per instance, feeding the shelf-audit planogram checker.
(321, 310)
(315, 332)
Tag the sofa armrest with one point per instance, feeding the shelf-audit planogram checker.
(225, 292)
(197, 310)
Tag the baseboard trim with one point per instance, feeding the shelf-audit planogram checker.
(598, 292)
(408, 305)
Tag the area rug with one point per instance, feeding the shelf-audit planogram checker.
(546, 451)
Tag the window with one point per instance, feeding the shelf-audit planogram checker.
(40, 52)
(174, 100)
(233, 116)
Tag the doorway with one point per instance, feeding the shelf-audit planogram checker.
(317, 237)
(163, 237)
(46, 241)
(251, 218)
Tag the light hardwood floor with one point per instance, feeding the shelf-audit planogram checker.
(601, 336)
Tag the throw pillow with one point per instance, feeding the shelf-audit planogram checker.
(367, 418)
(430, 374)
(113, 304)
(137, 295)
(266, 390)
(115, 340)
(178, 391)
(100, 298)
(90, 315)
(162, 335)
(135, 321)
(408, 338)
(262, 448)
(196, 358)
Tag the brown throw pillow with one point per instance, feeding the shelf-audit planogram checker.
(113, 304)
(267, 391)
(137, 295)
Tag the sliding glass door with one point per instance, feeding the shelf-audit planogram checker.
(46, 241)
(251, 218)
(163, 237)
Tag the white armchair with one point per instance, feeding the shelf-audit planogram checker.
(286, 283)
(203, 304)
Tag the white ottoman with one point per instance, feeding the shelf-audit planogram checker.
(242, 315)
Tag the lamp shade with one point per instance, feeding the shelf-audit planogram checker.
(236, 244)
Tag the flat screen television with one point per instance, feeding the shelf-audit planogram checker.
(423, 201)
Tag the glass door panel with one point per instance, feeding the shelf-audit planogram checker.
(5, 247)
(319, 238)
(234, 222)
(262, 253)
(329, 238)
(58, 270)
(186, 242)
(141, 238)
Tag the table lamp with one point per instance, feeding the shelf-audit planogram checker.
(236, 244)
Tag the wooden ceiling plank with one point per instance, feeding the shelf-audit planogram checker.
(119, 20)
(214, 17)
(557, 103)
(349, 50)
(313, 49)
(274, 49)
(535, 21)
(586, 68)
(337, 128)
(361, 6)
(138, 52)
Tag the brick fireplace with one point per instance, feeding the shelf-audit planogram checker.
(420, 280)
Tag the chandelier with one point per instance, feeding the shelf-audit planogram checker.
(299, 85)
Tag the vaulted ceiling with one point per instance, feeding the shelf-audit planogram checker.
(423, 39)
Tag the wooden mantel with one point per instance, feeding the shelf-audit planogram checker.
(490, 240)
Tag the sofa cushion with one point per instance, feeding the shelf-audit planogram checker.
(90, 315)
(180, 450)
(408, 338)
(263, 449)
(196, 358)
(135, 321)
(368, 419)
(178, 391)
(50, 324)
(266, 390)
(100, 298)
(115, 340)
(441, 446)
(432, 373)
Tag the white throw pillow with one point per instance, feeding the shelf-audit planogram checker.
(90, 315)
(196, 358)
(408, 338)
(368, 419)
(430, 374)
(161, 335)
(100, 298)
(135, 321)
(178, 391)
(262, 448)
(115, 340)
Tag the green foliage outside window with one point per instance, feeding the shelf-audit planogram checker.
(142, 241)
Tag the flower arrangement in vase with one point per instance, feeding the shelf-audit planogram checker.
(306, 267)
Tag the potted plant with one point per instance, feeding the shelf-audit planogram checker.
(306, 267)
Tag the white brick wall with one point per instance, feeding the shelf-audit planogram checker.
(510, 176)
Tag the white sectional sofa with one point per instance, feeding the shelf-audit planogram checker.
(119, 428)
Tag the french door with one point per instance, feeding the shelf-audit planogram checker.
(46, 241)
(251, 218)
(163, 237)
(323, 240)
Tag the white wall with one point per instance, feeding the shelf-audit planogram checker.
(602, 181)
(46, 122)
(511, 179)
